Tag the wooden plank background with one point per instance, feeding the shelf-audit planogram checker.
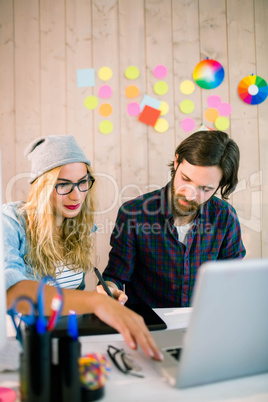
(44, 42)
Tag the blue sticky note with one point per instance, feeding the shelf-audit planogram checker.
(85, 77)
(152, 102)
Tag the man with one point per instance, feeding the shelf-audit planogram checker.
(161, 238)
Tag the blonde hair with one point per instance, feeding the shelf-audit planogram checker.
(72, 245)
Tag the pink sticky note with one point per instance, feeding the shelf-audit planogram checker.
(214, 101)
(133, 109)
(224, 109)
(160, 71)
(105, 91)
(188, 124)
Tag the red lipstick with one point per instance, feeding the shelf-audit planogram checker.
(72, 206)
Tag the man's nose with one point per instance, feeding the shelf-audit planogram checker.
(190, 193)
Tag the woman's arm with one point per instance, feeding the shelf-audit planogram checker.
(125, 321)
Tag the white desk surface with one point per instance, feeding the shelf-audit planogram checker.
(153, 388)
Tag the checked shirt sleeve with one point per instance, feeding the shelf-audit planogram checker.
(232, 246)
(123, 253)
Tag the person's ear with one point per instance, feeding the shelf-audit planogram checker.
(176, 163)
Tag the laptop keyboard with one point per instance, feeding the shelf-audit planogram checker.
(174, 352)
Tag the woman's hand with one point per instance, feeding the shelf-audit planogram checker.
(128, 323)
(117, 294)
(124, 320)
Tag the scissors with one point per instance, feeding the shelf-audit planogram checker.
(36, 317)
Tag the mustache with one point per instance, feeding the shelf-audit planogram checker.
(181, 197)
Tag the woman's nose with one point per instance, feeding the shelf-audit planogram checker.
(74, 195)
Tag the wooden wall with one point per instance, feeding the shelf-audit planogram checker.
(44, 42)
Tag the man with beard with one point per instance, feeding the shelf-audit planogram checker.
(161, 238)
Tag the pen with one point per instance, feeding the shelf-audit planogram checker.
(102, 281)
(72, 328)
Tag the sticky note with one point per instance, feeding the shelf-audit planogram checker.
(211, 114)
(224, 109)
(106, 127)
(149, 115)
(133, 109)
(160, 88)
(214, 101)
(148, 100)
(85, 77)
(161, 125)
(222, 123)
(164, 108)
(105, 73)
(188, 124)
(105, 92)
(91, 102)
(105, 109)
(132, 72)
(187, 106)
(187, 87)
(132, 91)
(160, 71)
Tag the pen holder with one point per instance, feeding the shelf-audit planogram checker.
(35, 365)
(69, 353)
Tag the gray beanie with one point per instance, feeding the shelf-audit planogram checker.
(46, 153)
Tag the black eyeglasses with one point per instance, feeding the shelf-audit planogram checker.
(83, 185)
(124, 362)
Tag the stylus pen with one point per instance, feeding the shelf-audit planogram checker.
(102, 281)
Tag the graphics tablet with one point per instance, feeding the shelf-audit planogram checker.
(90, 324)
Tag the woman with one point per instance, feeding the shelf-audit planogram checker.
(50, 234)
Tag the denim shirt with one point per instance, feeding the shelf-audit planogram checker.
(16, 247)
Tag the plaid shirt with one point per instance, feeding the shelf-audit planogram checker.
(148, 258)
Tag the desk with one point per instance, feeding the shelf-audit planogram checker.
(153, 388)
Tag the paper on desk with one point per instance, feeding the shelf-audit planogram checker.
(9, 355)
(175, 318)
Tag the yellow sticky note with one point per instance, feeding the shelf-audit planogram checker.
(164, 108)
(160, 88)
(187, 106)
(105, 73)
(222, 123)
(91, 102)
(161, 125)
(132, 72)
(187, 87)
(106, 127)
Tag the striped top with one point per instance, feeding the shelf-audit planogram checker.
(148, 257)
(68, 278)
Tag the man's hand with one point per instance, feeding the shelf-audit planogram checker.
(117, 294)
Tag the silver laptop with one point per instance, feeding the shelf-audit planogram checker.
(227, 335)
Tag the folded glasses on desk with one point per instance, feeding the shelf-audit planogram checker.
(124, 362)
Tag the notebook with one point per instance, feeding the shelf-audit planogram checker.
(227, 335)
(90, 324)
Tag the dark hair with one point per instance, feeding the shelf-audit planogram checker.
(211, 148)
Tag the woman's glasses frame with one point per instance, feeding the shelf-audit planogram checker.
(88, 179)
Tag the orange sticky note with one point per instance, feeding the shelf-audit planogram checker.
(149, 115)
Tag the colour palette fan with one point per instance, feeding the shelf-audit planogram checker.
(253, 89)
(208, 74)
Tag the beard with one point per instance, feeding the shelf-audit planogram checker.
(180, 205)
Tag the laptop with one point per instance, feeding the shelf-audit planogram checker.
(90, 324)
(227, 336)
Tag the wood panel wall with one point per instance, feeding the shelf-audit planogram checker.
(44, 42)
